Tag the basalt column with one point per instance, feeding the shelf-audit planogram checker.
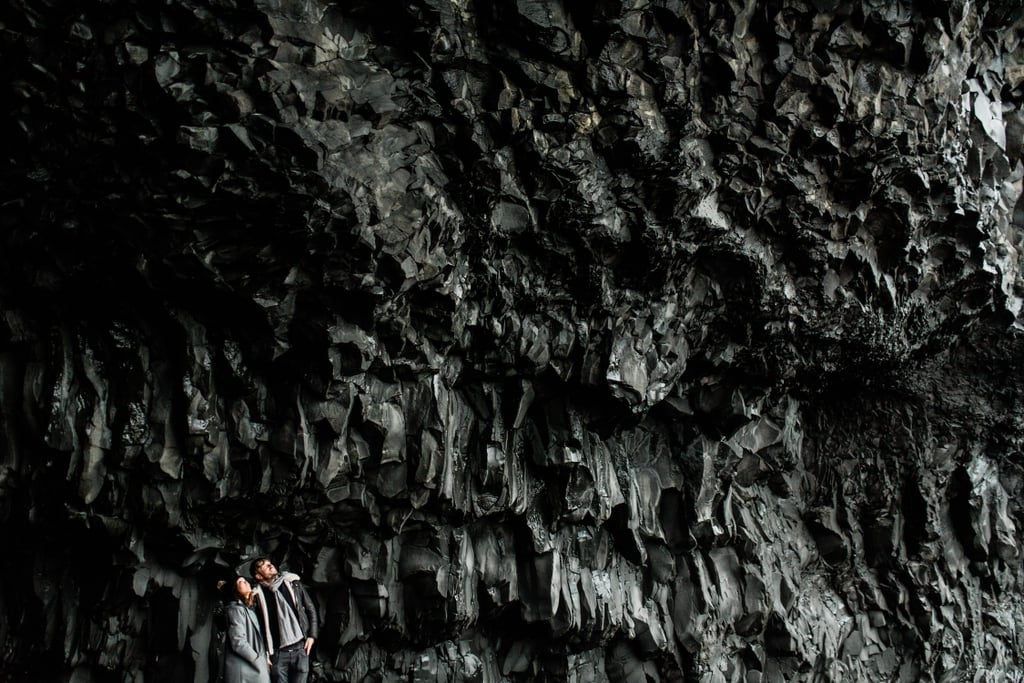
(547, 340)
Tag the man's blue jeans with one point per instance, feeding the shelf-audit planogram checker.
(290, 665)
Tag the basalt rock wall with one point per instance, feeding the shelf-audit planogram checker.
(571, 341)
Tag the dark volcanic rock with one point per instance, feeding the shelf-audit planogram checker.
(548, 340)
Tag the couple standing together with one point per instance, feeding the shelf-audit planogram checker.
(270, 627)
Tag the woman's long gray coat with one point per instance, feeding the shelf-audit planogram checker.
(245, 653)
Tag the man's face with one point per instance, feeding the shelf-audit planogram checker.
(265, 571)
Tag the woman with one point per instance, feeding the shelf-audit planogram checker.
(245, 653)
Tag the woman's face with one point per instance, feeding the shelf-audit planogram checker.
(243, 587)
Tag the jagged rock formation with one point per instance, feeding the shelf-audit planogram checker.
(549, 340)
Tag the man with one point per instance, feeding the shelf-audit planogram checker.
(288, 618)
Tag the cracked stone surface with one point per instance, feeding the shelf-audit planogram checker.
(561, 340)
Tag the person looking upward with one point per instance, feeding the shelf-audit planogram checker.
(289, 620)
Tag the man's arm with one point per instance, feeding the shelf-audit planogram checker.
(304, 606)
(312, 614)
(308, 607)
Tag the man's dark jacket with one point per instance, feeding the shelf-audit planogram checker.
(309, 619)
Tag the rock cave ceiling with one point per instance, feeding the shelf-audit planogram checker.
(547, 340)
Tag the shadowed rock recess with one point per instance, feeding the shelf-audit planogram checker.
(560, 340)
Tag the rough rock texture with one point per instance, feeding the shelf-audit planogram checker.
(565, 340)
